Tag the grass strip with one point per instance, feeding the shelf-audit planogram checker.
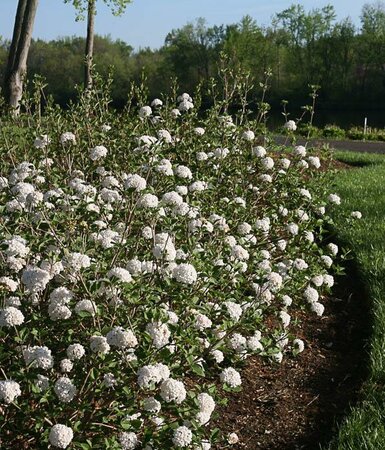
(362, 188)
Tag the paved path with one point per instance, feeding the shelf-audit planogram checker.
(354, 146)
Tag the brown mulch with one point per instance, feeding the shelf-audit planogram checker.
(297, 404)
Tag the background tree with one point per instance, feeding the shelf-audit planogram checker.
(82, 6)
(18, 52)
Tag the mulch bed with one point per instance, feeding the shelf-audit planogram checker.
(298, 403)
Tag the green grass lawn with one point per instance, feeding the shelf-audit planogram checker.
(363, 188)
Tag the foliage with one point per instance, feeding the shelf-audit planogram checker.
(166, 247)
(299, 48)
(333, 131)
(117, 6)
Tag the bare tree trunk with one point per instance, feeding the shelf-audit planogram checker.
(89, 44)
(17, 60)
(15, 39)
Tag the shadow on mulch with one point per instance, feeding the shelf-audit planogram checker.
(299, 403)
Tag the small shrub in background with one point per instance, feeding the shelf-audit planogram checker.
(333, 132)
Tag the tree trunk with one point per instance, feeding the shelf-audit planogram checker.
(15, 39)
(18, 54)
(89, 44)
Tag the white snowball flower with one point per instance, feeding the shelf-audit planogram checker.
(318, 308)
(259, 151)
(148, 201)
(98, 152)
(39, 357)
(333, 248)
(326, 261)
(128, 440)
(298, 345)
(42, 141)
(182, 436)
(35, 279)
(145, 111)
(9, 390)
(66, 365)
(159, 332)
(292, 228)
(11, 317)
(156, 102)
(285, 318)
(9, 284)
(284, 163)
(99, 344)
(182, 172)
(60, 436)
(267, 163)
(334, 198)
(199, 131)
(232, 438)
(75, 351)
(121, 274)
(290, 125)
(311, 295)
(217, 355)
(317, 280)
(299, 150)
(356, 215)
(231, 377)
(328, 280)
(86, 306)
(202, 156)
(185, 105)
(173, 391)
(221, 153)
(152, 374)
(239, 253)
(76, 261)
(58, 311)
(150, 404)
(309, 236)
(202, 322)
(254, 343)
(135, 181)
(234, 310)
(237, 342)
(164, 136)
(121, 338)
(65, 389)
(175, 113)
(134, 266)
(197, 186)
(314, 161)
(68, 138)
(248, 135)
(185, 273)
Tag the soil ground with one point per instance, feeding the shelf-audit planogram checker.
(297, 404)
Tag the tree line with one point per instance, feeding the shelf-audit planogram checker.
(299, 48)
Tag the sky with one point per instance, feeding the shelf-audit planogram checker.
(147, 22)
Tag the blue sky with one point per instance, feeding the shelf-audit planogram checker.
(147, 22)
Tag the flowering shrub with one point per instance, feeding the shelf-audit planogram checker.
(144, 257)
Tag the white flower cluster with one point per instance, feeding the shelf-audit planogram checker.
(60, 436)
(130, 274)
(9, 391)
